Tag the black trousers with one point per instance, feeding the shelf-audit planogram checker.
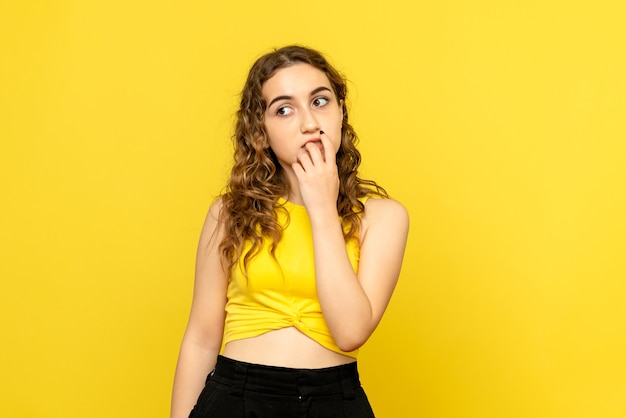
(243, 390)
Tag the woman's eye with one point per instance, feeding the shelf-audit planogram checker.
(320, 101)
(283, 111)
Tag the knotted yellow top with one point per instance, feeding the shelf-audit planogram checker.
(280, 292)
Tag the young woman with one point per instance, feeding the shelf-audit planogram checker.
(297, 260)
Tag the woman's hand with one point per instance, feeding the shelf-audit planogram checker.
(316, 171)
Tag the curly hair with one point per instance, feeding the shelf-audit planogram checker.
(250, 201)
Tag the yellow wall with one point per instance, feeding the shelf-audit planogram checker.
(500, 125)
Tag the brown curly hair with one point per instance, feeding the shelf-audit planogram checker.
(250, 201)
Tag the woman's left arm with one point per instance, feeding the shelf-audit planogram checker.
(353, 304)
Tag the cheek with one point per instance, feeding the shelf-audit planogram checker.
(339, 132)
(271, 132)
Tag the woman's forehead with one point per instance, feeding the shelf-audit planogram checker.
(295, 80)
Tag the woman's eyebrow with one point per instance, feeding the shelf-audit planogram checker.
(313, 93)
(317, 90)
(275, 99)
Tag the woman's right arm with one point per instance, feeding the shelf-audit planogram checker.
(203, 336)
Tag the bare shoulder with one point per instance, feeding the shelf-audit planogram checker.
(215, 209)
(212, 230)
(385, 211)
(212, 220)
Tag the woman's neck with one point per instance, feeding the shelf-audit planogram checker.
(293, 192)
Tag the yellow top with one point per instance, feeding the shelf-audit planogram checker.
(281, 292)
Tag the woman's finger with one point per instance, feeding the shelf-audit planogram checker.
(304, 160)
(329, 150)
(315, 153)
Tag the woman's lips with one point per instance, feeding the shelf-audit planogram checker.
(318, 143)
(315, 141)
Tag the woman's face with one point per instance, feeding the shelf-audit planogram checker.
(301, 106)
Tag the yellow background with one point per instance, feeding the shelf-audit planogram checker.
(499, 124)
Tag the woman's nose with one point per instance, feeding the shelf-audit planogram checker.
(309, 122)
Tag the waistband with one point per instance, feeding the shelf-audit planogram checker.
(242, 376)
